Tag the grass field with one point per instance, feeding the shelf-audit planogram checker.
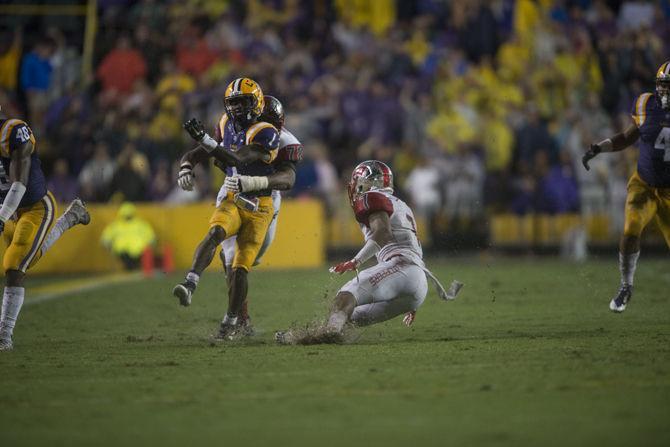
(528, 355)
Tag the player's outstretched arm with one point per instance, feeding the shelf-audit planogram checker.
(380, 226)
(19, 171)
(616, 143)
(244, 155)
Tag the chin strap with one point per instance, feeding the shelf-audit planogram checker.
(12, 201)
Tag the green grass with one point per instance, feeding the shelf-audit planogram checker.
(528, 355)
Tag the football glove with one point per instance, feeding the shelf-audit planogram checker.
(185, 180)
(409, 317)
(347, 266)
(197, 131)
(232, 184)
(591, 153)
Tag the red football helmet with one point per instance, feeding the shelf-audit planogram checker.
(371, 175)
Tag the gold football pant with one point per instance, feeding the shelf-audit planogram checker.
(249, 226)
(642, 204)
(24, 236)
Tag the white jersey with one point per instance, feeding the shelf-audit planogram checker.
(403, 224)
(406, 244)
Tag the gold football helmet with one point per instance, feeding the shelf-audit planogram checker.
(243, 101)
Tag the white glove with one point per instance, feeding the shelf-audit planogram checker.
(232, 183)
(185, 180)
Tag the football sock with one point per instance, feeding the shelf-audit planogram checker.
(337, 320)
(627, 266)
(12, 300)
(64, 223)
(193, 277)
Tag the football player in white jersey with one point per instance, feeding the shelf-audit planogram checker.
(398, 284)
(290, 153)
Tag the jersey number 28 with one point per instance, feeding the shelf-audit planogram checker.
(663, 143)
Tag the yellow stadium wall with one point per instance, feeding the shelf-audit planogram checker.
(299, 243)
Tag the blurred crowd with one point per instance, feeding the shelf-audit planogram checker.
(479, 106)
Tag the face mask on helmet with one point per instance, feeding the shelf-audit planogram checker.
(370, 176)
(241, 109)
(663, 92)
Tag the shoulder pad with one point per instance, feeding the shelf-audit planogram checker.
(264, 134)
(13, 133)
(371, 202)
(639, 112)
(221, 127)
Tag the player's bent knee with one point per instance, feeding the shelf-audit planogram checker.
(345, 301)
(217, 234)
(239, 272)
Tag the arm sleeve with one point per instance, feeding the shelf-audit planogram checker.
(371, 202)
(639, 112)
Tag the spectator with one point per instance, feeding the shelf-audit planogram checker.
(96, 175)
(161, 182)
(464, 184)
(131, 175)
(61, 184)
(121, 67)
(128, 236)
(424, 188)
(194, 54)
(10, 55)
(35, 80)
(556, 185)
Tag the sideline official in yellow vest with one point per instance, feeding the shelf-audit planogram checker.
(128, 236)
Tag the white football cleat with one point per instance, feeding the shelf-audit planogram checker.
(184, 293)
(619, 302)
(77, 209)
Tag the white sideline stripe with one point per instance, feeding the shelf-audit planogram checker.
(62, 290)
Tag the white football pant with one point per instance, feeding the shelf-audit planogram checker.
(388, 289)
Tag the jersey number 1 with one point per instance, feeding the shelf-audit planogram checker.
(663, 143)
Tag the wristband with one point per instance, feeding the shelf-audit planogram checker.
(12, 201)
(209, 143)
(253, 183)
(370, 249)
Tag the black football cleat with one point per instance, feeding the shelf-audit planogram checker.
(618, 303)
